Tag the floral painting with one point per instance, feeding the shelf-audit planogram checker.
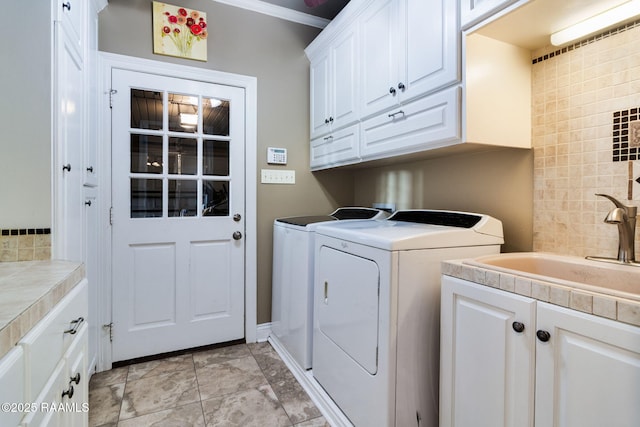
(178, 31)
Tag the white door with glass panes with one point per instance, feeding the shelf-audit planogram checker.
(178, 213)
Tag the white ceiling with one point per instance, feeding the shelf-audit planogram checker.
(328, 10)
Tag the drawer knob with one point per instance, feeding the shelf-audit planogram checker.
(66, 5)
(75, 325)
(392, 91)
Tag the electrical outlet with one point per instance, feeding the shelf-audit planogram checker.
(278, 176)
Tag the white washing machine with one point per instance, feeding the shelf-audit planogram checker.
(377, 310)
(292, 280)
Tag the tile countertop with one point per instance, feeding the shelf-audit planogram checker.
(610, 307)
(28, 291)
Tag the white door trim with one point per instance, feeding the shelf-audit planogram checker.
(109, 61)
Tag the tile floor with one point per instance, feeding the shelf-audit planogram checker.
(240, 385)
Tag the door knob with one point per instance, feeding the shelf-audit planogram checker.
(401, 86)
(392, 90)
(66, 5)
(67, 167)
(518, 327)
(237, 235)
(237, 217)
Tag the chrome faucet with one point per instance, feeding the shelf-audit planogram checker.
(624, 217)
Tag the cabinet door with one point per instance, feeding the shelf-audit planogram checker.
(425, 123)
(69, 136)
(344, 74)
(320, 87)
(486, 363)
(49, 412)
(429, 46)
(588, 372)
(473, 11)
(71, 14)
(379, 57)
(77, 402)
(12, 386)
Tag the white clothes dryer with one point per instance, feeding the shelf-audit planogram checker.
(292, 279)
(377, 310)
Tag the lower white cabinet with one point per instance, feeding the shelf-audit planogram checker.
(11, 386)
(501, 352)
(45, 376)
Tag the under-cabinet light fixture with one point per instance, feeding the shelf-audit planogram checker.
(601, 21)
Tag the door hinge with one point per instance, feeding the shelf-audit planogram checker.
(110, 327)
(111, 215)
(111, 93)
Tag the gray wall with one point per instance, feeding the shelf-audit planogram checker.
(25, 118)
(497, 182)
(272, 50)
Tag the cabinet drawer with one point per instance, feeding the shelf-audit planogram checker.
(427, 123)
(46, 343)
(12, 385)
(338, 148)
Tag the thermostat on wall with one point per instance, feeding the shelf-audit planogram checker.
(276, 156)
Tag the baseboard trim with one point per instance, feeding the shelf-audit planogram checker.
(330, 411)
(263, 330)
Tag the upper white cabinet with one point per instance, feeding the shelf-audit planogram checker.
(334, 95)
(409, 48)
(509, 360)
(473, 11)
(371, 67)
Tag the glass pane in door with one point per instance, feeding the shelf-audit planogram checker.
(215, 116)
(183, 197)
(215, 198)
(146, 198)
(146, 109)
(183, 113)
(183, 156)
(215, 158)
(146, 154)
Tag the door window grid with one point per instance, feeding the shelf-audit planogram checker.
(192, 167)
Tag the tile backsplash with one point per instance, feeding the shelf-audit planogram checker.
(25, 244)
(578, 97)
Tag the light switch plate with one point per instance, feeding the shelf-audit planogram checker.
(278, 176)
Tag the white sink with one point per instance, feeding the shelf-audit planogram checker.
(596, 276)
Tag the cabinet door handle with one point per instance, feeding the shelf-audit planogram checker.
(392, 91)
(67, 167)
(401, 86)
(393, 115)
(326, 121)
(518, 326)
(68, 392)
(66, 5)
(75, 325)
(328, 138)
(88, 203)
(90, 169)
(326, 292)
(75, 378)
(543, 335)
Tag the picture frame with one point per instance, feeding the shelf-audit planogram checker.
(179, 31)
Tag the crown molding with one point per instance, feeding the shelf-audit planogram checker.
(278, 12)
